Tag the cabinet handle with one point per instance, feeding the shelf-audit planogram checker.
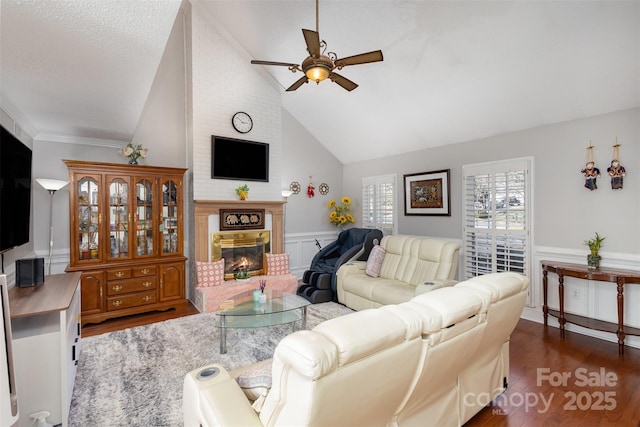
(146, 284)
(119, 274)
(117, 303)
(100, 291)
(116, 288)
(145, 271)
(146, 298)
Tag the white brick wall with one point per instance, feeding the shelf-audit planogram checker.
(224, 82)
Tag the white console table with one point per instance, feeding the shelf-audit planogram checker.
(45, 321)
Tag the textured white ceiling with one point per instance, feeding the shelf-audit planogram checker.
(452, 71)
(83, 68)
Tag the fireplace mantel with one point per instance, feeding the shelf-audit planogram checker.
(204, 208)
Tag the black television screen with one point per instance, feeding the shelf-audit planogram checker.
(15, 191)
(239, 159)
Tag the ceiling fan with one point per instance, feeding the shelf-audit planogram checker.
(319, 66)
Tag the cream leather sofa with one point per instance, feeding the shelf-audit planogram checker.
(412, 265)
(435, 360)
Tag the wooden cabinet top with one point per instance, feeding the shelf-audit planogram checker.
(123, 168)
(55, 294)
(599, 274)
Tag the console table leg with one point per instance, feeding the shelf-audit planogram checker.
(620, 333)
(561, 319)
(545, 308)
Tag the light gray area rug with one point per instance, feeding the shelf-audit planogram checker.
(134, 377)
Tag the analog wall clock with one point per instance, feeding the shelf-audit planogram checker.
(242, 122)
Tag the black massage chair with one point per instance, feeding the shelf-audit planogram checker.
(320, 280)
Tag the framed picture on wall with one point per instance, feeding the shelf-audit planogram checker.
(427, 193)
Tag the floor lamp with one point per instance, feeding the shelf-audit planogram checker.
(51, 185)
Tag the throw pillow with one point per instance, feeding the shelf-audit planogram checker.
(255, 381)
(277, 264)
(210, 273)
(374, 262)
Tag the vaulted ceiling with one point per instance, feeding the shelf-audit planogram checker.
(453, 71)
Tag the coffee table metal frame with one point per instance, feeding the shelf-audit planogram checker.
(241, 311)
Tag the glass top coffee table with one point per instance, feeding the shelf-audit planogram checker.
(245, 311)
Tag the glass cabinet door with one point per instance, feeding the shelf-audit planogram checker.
(119, 218)
(170, 216)
(89, 218)
(144, 218)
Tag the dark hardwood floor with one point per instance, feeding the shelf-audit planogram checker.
(135, 320)
(578, 382)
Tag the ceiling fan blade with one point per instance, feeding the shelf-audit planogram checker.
(302, 80)
(312, 38)
(284, 64)
(363, 58)
(343, 81)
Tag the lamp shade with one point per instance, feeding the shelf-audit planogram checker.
(51, 184)
(286, 193)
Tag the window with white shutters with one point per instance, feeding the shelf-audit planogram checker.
(497, 217)
(378, 203)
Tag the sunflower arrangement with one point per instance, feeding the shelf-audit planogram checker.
(339, 214)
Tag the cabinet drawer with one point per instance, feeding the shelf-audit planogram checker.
(132, 285)
(126, 301)
(149, 270)
(119, 274)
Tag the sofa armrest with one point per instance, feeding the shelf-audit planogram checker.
(432, 285)
(215, 400)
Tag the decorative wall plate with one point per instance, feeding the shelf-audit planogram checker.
(295, 187)
(324, 188)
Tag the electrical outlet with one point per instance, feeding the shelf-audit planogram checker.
(575, 294)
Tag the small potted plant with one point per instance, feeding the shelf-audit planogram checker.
(593, 259)
(243, 192)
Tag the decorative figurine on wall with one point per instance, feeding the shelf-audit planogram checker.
(591, 172)
(616, 170)
(311, 189)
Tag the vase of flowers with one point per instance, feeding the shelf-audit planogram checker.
(243, 192)
(133, 152)
(593, 259)
(339, 214)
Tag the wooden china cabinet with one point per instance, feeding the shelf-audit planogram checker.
(126, 236)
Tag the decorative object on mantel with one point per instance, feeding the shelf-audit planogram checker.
(339, 214)
(616, 170)
(593, 259)
(133, 152)
(591, 172)
(241, 219)
(310, 189)
(243, 192)
(324, 188)
(295, 187)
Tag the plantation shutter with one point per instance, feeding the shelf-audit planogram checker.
(497, 217)
(378, 203)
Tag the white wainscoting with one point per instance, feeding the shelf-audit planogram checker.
(302, 248)
(589, 298)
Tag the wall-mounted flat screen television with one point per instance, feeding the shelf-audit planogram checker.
(239, 159)
(15, 191)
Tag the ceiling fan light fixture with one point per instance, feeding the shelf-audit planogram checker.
(317, 69)
(317, 73)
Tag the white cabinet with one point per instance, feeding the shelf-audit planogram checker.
(46, 346)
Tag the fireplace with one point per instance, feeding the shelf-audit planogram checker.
(243, 251)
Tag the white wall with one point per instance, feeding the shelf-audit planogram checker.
(303, 156)
(223, 82)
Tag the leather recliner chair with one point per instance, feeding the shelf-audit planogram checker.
(320, 280)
